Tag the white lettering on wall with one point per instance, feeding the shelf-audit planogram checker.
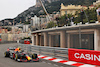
(87, 56)
(92, 57)
(82, 56)
(95, 57)
(76, 55)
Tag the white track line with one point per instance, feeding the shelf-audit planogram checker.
(87, 65)
(40, 56)
(47, 58)
(57, 60)
(70, 62)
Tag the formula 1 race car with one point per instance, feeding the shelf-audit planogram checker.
(21, 56)
(9, 51)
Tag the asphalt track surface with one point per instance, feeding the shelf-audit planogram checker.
(7, 62)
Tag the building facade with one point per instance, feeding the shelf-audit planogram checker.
(97, 3)
(25, 28)
(13, 37)
(39, 21)
(35, 21)
(72, 9)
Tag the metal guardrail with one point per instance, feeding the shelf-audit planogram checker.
(5, 42)
(48, 51)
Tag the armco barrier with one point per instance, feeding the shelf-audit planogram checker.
(5, 42)
(85, 56)
(48, 51)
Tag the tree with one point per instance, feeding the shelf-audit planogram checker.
(51, 24)
(91, 13)
(9, 29)
(27, 23)
(64, 21)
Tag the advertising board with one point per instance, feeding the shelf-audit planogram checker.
(85, 56)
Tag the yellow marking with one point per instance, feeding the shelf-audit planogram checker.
(5, 54)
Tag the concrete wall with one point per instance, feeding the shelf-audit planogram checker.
(4, 37)
(13, 37)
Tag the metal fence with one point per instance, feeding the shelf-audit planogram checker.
(47, 51)
(5, 42)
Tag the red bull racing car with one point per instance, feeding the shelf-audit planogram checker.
(21, 56)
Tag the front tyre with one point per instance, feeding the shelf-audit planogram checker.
(16, 57)
(7, 54)
(34, 56)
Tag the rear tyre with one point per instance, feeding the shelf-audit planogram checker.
(34, 56)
